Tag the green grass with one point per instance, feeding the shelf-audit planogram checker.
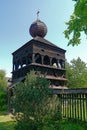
(7, 123)
(72, 125)
(5, 118)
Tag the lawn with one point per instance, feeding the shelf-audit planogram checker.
(7, 123)
(72, 125)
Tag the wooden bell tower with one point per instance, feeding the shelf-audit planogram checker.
(39, 54)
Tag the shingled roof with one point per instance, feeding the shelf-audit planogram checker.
(41, 40)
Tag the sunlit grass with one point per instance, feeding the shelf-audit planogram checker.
(5, 118)
(6, 122)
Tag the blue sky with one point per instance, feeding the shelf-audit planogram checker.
(16, 17)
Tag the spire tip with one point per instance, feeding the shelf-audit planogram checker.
(38, 14)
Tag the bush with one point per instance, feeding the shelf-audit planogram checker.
(34, 104)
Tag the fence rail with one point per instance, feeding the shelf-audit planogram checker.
(73, 103)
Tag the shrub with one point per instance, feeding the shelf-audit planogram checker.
(34, 103)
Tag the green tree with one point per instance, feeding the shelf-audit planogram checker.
(35, 104)
(3, 82)
(77, 23)
(3, 92)
(76, 73)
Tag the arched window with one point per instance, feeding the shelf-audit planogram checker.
(19, 64)
(15, 66)
(46, 60)
(23, 62)
(38, 58)
(54, 62)
(62, 63)
(29, 59)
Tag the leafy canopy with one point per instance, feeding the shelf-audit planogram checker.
(77, 23)
(76, 73)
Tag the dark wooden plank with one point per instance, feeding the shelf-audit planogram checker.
(70, 91)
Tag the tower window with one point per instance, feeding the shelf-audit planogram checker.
(38, 58)
(54, 62)
(46, 60)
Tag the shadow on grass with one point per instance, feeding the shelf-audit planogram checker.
(73, 125)
(9, 125)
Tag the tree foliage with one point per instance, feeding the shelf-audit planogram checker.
(3, 101)
(3, 82)
(77, 23)
(3, 92)
(76, 73)
(34, 103)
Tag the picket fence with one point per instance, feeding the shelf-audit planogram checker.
(73, 103)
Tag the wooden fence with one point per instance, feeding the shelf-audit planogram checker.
(73, 103)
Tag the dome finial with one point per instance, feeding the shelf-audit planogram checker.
(38, 28)
(38, 14)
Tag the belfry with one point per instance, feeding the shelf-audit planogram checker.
(39, 54)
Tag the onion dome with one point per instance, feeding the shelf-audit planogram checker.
(38, 28)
